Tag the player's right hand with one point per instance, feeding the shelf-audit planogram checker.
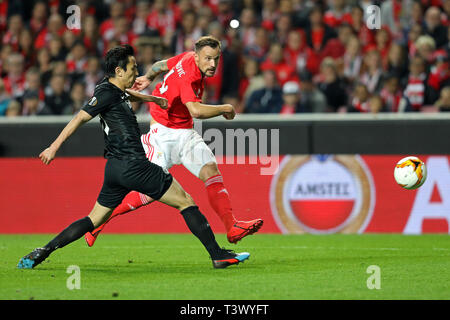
(229, 115)
(140, 83)
(161, 102)
(47, 155)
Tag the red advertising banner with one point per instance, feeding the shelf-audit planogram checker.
(307, 194)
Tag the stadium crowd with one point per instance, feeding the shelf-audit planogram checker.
(278, 56)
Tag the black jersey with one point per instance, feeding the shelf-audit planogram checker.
(121, 130)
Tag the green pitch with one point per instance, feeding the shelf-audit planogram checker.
(175, 266)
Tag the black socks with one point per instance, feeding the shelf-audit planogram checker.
(73, 232)
(199, 226)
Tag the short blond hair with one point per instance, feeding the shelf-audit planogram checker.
(425, 40)
(207, 41)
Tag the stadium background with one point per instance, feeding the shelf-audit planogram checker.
(285, 57)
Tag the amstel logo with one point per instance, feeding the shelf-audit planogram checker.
(322, 194)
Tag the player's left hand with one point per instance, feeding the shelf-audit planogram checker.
(162, 102)
(140, 83)
(230, 114)
(47, 155)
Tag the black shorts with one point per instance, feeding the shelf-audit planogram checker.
(123, 176)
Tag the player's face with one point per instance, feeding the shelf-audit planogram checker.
(130, 75)
(207, 60)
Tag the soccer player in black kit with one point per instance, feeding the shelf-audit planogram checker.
(127, 167)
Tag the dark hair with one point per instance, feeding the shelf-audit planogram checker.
(207, 41)
(117, 57)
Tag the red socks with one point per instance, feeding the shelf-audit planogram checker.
(131, 202)
(220, 200)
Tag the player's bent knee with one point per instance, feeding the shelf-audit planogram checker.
(208, 170)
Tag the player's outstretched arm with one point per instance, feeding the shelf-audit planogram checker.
(137, 96)
(200, 110)
(155, 70)
(48, 154)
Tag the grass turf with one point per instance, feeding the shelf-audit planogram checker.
(281, 267)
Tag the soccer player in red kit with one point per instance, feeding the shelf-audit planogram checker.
(172, 139)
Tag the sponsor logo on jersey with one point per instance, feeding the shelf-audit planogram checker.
(322, 194)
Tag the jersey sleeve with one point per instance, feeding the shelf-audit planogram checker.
(100, 101)
(171, 62)
(187, 93)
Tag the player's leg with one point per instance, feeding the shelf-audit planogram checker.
(134, 199)
(131, 202)
(200, 161)
(110, 196)
(177, 198)
(73, 232)
(159, 184)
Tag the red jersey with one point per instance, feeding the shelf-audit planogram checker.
(183, 83)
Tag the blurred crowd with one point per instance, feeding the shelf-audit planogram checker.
(278, 56)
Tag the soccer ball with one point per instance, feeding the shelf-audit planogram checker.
(410, 173)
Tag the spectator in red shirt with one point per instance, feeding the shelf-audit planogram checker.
(162, 18)
(413, 34)
(335, 47)
(76, 60)
(434, 27)
(417, 92)
(446, 14)
(359, 26)
(91, 35)
(352, 60)
(318, 33)
(383, 44)
(397, 62)
(275, 61)
(282, 28)
(93, 75)
(26, 47)
(224, 12)
(116, 10)
(360, 99)
(185, 36)
(56, 49)
(391, 93)
(247, 28)
(43, 59)
(337, 14)
(372, 71)
(121, 33)
(15, 80)
(15, 27)
(251, 80)
(440, 71)
(259, 49)
(55, 28)
(270, 14)
(38, 17)
(139, 25)
(33, 82)
(205, 18)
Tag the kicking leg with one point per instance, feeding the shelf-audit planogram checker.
(76, 230)
(131, 202)
(220, 201)
(199, 226)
